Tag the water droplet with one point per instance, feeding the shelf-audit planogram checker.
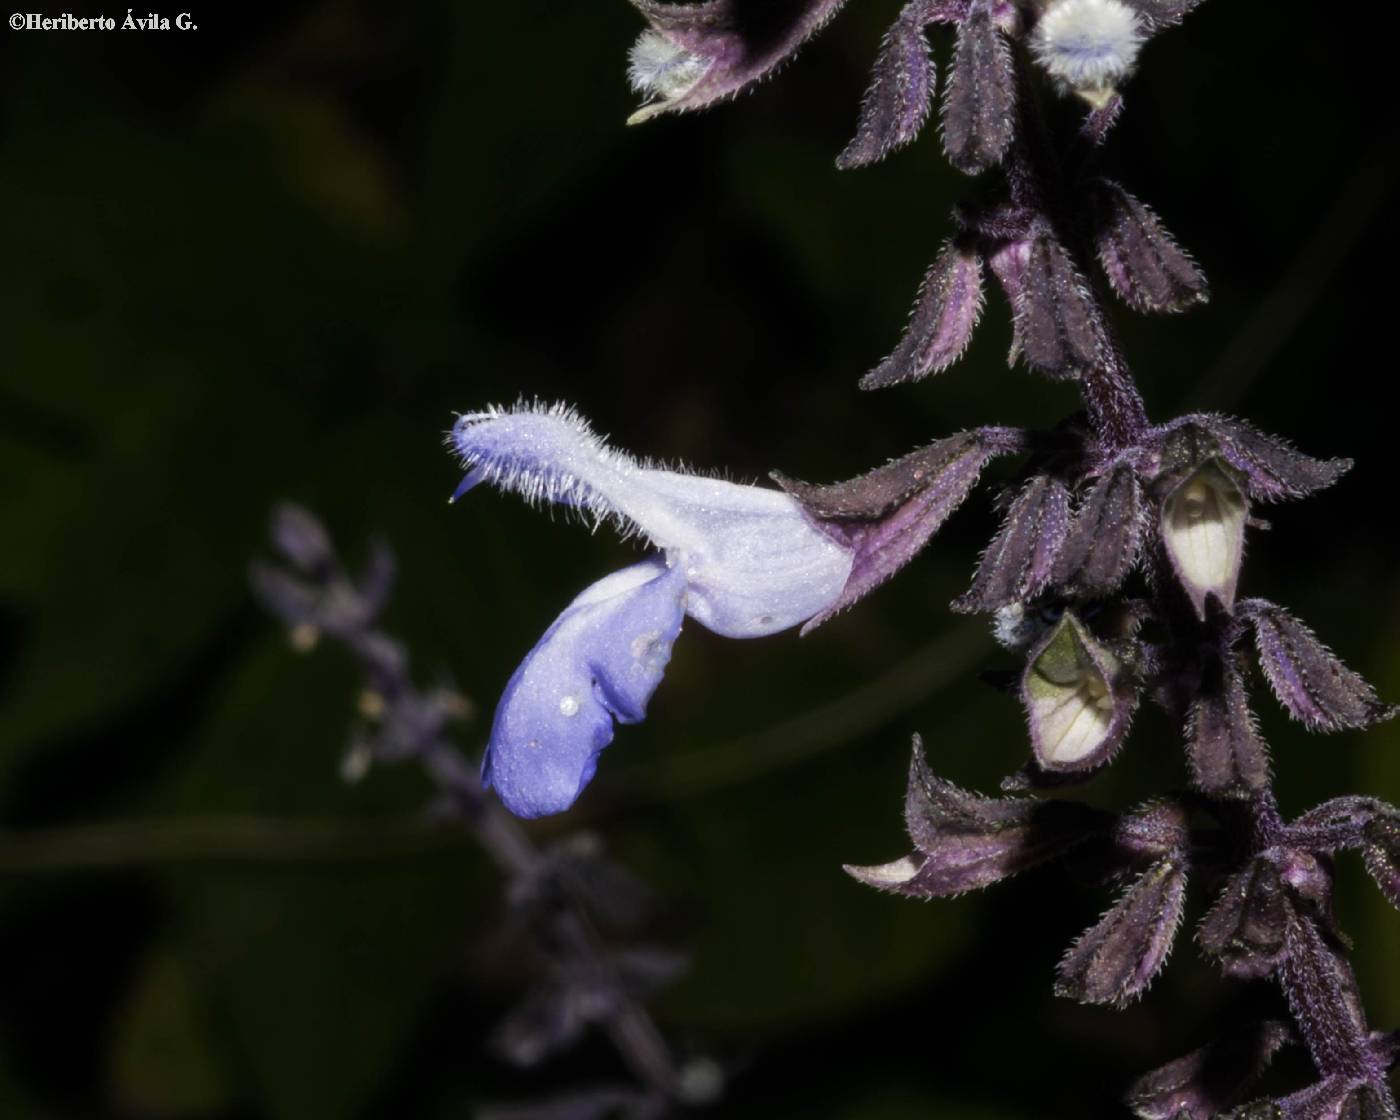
(533, 745)
(568, 706)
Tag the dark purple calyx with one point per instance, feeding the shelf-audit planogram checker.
(964, 841)
(887, 516)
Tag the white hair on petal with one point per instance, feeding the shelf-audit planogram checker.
(546, 453)
(1087, 44)
(550, 455)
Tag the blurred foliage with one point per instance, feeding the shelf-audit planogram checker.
(266, 259)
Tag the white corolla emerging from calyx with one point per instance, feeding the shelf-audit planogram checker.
(1088, 46)
(741, 560)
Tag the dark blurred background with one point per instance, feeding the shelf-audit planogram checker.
(265, 259)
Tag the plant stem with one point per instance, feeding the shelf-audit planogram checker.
(1034, 172)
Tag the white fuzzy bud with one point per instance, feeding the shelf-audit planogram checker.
(1088, 46)
(659, 67)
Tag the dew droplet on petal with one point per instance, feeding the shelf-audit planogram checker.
(568, 706)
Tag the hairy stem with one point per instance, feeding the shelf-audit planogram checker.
(1038, 187)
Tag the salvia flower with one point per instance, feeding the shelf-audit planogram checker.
(740, 560)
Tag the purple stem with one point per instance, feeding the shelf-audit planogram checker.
(1033, 171)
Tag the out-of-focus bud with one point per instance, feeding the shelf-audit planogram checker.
(1202, 1084)
(302, 539)
(1203, 523)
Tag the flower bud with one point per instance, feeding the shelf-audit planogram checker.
(1105, 537)
(693, 55)
(1309, 680)
(979, 102)
(1088, 46)
(1227, 754)
(1203, 522)
(946, 311)
(1116, 960)
(901, 93)
(1245, 928)
(963, 841)
(1142, 261)
(660, 67)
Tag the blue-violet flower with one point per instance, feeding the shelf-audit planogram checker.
(741, 560)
